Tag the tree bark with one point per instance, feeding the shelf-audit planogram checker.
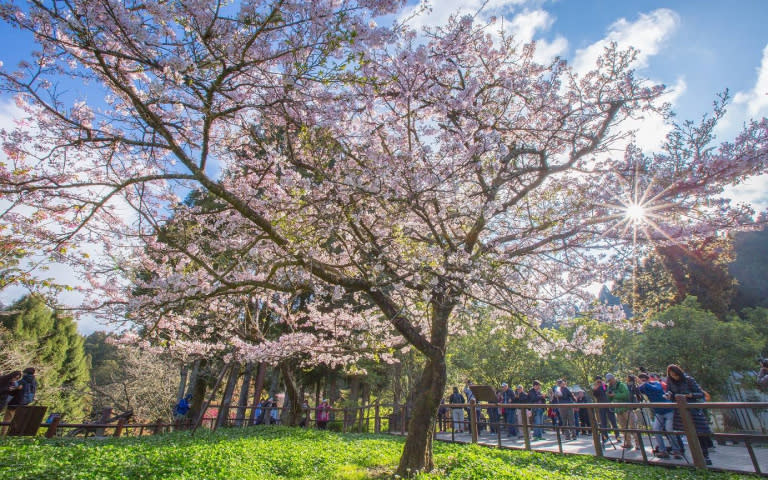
(292, 406)
(197, 387)
(242, 399)
(417, 453)
(258, 387)
(350, 412)
(397, 390)
(226, 399)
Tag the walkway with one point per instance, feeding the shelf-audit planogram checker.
(724, 457)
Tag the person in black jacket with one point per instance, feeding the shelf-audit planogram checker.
(537, 414)
(566, 397)
(599, 393)
(457, 413)
(583, 415)
(8, 386)
(681, 384)
(29, 386)
(10, 394)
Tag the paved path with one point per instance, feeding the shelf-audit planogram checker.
(726, 457)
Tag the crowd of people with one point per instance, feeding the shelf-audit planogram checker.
(560, 404)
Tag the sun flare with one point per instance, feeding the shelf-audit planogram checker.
(635, 212)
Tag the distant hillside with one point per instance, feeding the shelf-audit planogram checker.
(750, 269)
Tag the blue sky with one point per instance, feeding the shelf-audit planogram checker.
(697, 48)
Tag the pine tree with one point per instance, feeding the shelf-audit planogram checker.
(60, 359)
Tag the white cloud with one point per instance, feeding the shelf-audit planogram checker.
(753, 191)
(756, 100)
(427, 15)
(651, 130)
(524, 26)
(8, 113)
(648, 34)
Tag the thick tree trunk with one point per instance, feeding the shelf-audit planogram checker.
(226, 399)
(292, 406)
(258, 387)
(365, 399)
(350, 406)
(242, 399)
(197, 387)
(417, 453)
(397, 390)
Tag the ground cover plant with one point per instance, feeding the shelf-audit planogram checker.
(284, 453)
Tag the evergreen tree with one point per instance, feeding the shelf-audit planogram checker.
(60, 359)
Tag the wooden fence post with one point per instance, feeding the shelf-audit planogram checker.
(596, 439)
(690, 432)
(119, 427)
(106, 413)
(526, 428)
(377, 419)
(473, 419)
(157, 426)
(53, 426)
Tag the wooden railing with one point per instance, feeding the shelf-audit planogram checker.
(377, 418)
(750, 440)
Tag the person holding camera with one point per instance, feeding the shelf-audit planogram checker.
(662, 417)
(679, 383)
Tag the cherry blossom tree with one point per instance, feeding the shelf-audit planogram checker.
(352, 164)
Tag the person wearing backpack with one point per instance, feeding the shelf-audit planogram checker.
(28, 384)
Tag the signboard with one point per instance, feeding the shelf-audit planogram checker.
(484, 393)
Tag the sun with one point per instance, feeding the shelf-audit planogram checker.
(635, 213)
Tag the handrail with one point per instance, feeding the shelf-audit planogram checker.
(360, 417)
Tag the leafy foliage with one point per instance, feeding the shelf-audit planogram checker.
(704, 346)
(282, 453)
(492, 352)
(59, 356)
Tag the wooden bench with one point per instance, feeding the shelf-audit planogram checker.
(26, 420)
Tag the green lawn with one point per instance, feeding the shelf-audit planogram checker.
(281, 453)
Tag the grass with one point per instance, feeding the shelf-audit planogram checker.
(266, 453)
